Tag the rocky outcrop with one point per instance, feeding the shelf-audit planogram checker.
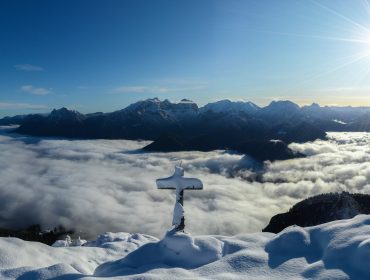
(321, 209)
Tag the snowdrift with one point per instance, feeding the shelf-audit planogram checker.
(336, 250)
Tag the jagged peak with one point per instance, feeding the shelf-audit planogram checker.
(156, 100)
(312, 106)
(165, 107)
(64, 113)
(184, 100)
(227, 105)
(279, 103)
(63, 110)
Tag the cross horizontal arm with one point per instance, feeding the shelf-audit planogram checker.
(166, 188)
(193, 188)
(166, 183)
(191, 184)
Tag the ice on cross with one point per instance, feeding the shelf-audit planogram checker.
(179, 183)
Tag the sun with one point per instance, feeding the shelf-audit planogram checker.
(357, 41)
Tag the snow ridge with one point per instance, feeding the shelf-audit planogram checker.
(336, 250)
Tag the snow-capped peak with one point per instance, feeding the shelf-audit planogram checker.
(283, 104)
(228, 106)
(184, 108)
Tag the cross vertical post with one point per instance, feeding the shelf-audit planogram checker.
(181, 226)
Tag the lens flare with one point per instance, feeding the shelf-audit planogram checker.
(356, 35)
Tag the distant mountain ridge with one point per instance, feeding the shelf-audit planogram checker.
(347, 117)
(184, 125)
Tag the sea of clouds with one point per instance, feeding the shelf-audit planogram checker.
(96, 186)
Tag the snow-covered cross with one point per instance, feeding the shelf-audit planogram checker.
(179, 183)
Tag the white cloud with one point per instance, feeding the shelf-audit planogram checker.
(157, 89)
(28, 67)
(9, 105)
(35, 90)
(108, 185)
(141, 89)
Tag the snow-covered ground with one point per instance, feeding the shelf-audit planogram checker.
(336, 250)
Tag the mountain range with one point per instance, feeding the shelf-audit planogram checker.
(224, 124)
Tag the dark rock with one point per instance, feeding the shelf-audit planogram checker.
(321, 209)
(34, 233)
(268, 150)
(165, 143)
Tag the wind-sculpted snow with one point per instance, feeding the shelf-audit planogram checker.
(338, 250)
(95, 186)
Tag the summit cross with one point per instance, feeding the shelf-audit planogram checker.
(180, 184)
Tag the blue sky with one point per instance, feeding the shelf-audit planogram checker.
(103, 55)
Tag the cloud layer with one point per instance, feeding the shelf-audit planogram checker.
(28, 67)
(162, 88)
(109, 185)
(10, 105)
(35, 90)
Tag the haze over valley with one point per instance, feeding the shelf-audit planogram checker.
(92, 185)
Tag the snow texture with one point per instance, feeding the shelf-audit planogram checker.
(178, 213)
(69, 242)
(336, 250)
